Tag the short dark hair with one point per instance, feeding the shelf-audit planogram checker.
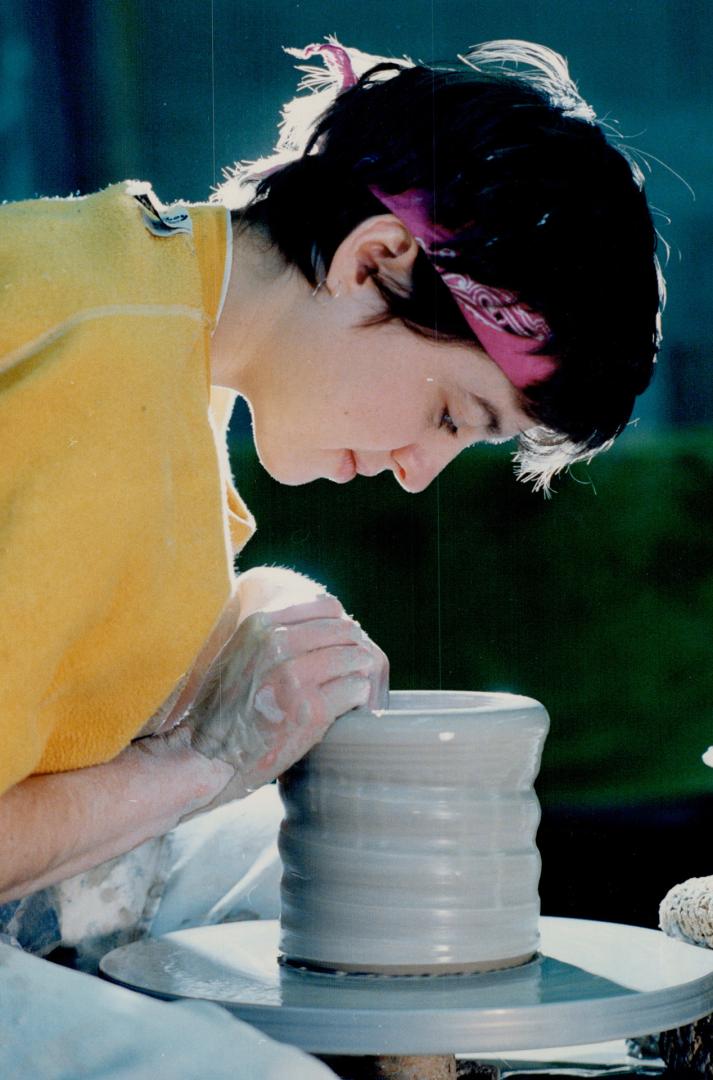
(539, 202)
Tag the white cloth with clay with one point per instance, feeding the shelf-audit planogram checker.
(59, 1024)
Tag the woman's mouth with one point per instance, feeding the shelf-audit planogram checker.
(352, 465)
(347, 468)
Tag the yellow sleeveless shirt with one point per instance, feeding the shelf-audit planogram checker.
(118, 520)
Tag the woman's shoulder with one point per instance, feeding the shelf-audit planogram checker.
(63, 256)
(42, 220)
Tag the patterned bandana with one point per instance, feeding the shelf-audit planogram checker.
(508, 331)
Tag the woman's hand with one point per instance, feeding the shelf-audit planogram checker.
(281, 679)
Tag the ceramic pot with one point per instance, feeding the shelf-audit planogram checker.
(408, 842)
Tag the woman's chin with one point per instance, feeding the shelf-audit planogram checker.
(288, 478)
(291, 475)
(294, 473)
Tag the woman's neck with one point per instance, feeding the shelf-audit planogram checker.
(260, 289)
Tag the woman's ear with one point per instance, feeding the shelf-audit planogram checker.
(378, 247)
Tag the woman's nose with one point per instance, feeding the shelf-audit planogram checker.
(415, 466)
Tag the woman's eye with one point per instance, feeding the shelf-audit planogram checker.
(447, 423)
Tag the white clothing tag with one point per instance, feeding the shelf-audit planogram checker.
(162, 222)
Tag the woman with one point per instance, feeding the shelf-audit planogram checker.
(450, 255)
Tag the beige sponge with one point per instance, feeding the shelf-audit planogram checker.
(686, 911)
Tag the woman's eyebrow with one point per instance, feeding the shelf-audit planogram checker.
(494, 426)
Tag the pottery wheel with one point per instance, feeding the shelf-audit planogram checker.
(591, 982)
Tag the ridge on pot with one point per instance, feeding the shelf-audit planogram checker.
(408, 842)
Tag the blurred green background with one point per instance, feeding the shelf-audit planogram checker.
(599, 602)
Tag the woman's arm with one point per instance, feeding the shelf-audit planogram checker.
(311, 662)
(53, 827)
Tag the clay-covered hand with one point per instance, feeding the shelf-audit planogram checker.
(282, 678)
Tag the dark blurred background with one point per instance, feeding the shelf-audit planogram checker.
(600, 601)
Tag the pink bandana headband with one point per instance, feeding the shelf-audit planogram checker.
(509, 332)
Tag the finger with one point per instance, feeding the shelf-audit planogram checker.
(379, 696)
(306, 673)
(323, 607)
(297, 638)
(342, 695)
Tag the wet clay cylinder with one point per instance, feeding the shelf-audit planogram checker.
(408, 842)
